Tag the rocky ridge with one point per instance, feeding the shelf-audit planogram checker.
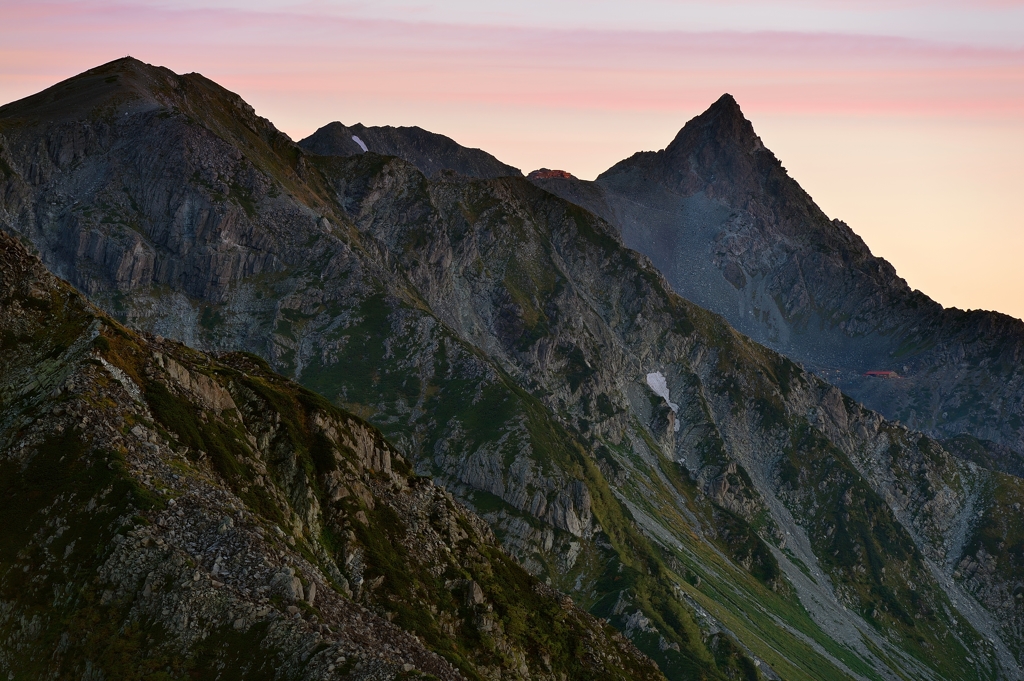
(428, 151)
(757, 522)
(172, 513)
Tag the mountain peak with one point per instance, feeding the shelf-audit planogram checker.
(722, 124)
(726, 104)
(720, 142)
(115, 83)
(127, 62)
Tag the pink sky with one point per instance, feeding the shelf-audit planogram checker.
(904, 119)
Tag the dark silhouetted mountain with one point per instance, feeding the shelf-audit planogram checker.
(428, 151)
(718, 214)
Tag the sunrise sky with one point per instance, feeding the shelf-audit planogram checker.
(904, 118)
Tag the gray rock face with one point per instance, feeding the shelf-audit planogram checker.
(205, 389)
(502, 337)
(717, 214)
(429, 152)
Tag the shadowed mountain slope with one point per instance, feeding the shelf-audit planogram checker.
(196, 514)
(717, 213)
(732, 514)
(428, 151)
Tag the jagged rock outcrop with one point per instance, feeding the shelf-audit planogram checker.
(547, 173)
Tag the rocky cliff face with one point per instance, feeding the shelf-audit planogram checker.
(718, 214)
(733, 514)
(429, 152)
(170, 513)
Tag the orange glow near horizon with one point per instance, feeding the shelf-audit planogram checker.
(916, 144)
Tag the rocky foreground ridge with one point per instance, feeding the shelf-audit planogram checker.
(168, 514)
(732, 514)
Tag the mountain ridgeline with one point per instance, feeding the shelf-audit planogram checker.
(718, 214)
(732, 514)
(428, 151)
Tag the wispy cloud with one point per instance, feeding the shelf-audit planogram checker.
(298, 50)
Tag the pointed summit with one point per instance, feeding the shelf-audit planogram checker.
(719, 143)
(722, 125)
(726, 105)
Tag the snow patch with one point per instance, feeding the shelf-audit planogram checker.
(361, 143)
(660, 387)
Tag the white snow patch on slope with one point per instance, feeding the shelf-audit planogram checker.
(361, 143)
(660, 387)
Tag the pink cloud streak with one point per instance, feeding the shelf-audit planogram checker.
(298, 52)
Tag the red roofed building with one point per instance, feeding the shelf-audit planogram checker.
(882, 374)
